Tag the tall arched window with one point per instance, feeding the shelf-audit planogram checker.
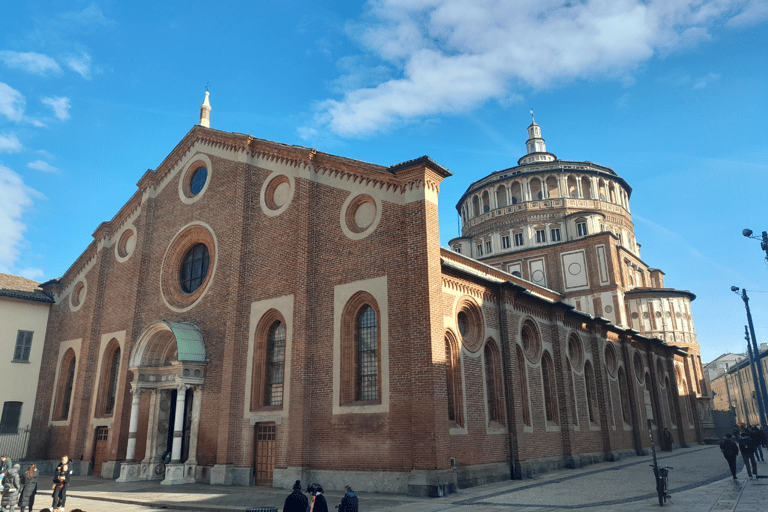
(625, 412)
(453, 381)
(65, 384)
(367, 366)
(550, 389)
(589, 378)
(275, 367)
(523, 386)
(493, 385)
(670, 401)
(112, 381)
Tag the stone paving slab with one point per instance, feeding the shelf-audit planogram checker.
(700, 481)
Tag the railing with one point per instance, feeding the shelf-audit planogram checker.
(14, 444)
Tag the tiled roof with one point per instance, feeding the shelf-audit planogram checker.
(18, 287)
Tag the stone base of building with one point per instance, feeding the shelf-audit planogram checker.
(175, 474)
(130, 472)
(136, 471)
(110, 469)
(229, 474)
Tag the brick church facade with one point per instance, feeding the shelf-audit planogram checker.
(258, 313)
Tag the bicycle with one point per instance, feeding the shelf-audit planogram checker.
(662, 475)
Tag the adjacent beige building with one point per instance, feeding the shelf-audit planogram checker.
(24, 311)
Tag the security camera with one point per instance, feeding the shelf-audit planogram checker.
(734, 288)
(747, 232)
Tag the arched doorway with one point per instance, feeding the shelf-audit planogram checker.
(168, 366)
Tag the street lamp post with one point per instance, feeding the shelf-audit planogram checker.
(756, 351)
(763, 240)
(758, 395)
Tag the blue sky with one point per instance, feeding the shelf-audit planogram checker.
(669, 93)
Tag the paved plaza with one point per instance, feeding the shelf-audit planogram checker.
(700, 481)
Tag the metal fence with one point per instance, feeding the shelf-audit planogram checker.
(14, 444)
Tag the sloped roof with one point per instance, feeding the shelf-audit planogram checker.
(18, 287)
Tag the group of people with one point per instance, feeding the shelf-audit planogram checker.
(298, 502)
(20, 490)
(748, 442)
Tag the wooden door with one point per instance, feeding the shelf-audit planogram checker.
(100, 452)
(264, 453)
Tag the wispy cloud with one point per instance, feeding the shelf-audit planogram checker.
(91, 15)
(34, 63)
(80, 64)
(15, 198)
(706, 80)
(42, 166)
(446, 56)
(754, 12)
(11, 103)
(10, 143)
(60, 106)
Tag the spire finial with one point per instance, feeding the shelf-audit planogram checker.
(533, 120)
(205, 110)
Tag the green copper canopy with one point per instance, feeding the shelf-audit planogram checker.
(189, 341)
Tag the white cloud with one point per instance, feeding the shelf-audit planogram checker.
(753, 13)
(80, 64)
(11, 103)
(35, 63)
(15, 198)
(60, 106)
(705, 80)
(91, 15)
(10, 143)
(43, 166)
(446, 56)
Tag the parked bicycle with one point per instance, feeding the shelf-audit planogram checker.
(660, 474)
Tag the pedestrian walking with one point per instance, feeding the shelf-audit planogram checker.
(5, 465)
(60, 482)
(28, 489)
(296, 501)
(11, 486)
(317, 502)
(667, 435)
(746, 447)
(758, 437)
(730, 450)
(349, 502)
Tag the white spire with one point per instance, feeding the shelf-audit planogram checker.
(205, 112)
(536, 148)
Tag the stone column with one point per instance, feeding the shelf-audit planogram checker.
(195, 427)
(178, 423)
(133, 425)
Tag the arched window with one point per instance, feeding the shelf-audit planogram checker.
(109, 380)
(367, 365)
(550, 389)
(486, 202)
(670, 401)
(275, 367)
(625, 412)
(453, 381)
(475, 206)
(516, 192)
(501, 196)
(589, 378)
(65, 384)
(194, 268)
(523, 386)
(493, 383)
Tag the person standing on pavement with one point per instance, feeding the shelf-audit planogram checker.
(349, 502)
(60, 482)
(730, 450)
(318, 502)
(5, 465)
(11, 486)
(747, 452)
(758, 437)
(28, 489)
(296, 501)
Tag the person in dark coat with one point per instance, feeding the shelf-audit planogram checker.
(758, 438)
(296, 501)
(5, 465)
(747, 449)
(730, 450)
(11, 486)
(317, 501)
(60, 482)
(349, 502)
(28, 489)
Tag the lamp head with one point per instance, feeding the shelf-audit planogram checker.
(747, 232)
(734, 289)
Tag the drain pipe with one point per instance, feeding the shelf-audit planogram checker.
(514, 469)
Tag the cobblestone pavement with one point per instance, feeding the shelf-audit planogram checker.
(700, 481)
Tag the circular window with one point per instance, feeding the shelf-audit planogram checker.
(658, 314)
(360, 215)
(194, 268)
(77, 296)
(469, 320)
(639, 367)
(126, 244)
(529, 338)
(188, 267)
(575, 352)
(199, 177)
(608, 309)
(635, 315)
(611, 363)
(278, 193)
(645, 314)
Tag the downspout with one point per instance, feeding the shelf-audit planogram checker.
(636, 427)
